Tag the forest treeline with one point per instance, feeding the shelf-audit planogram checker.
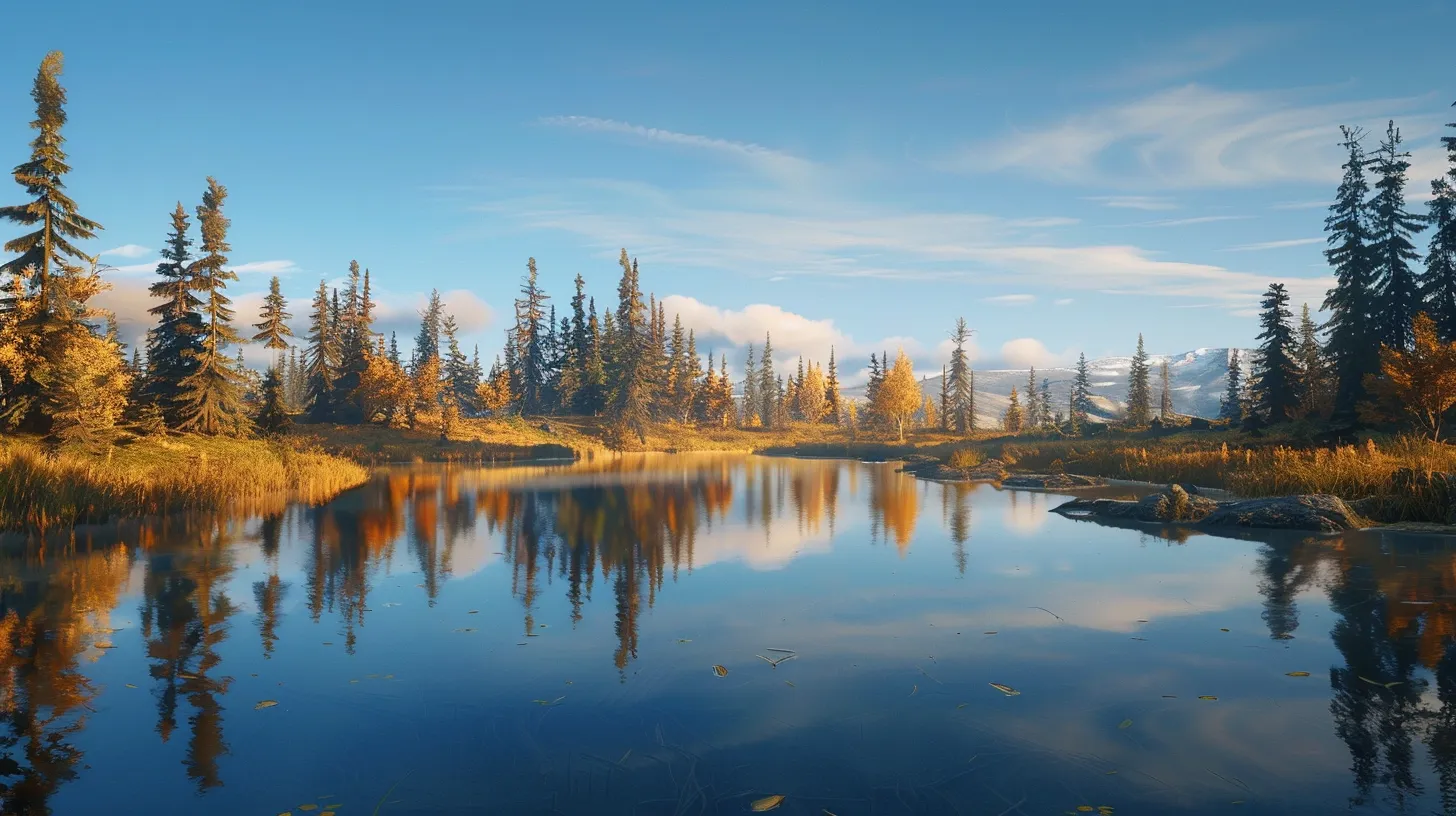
(1385, 350)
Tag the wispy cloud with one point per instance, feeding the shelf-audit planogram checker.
(1194, 136)
(1134, 202)
(126, 251)
(1183, 222)
(267, 267)
(1010, 300)
(1063, 302)
(1263, 245)
(1174, 61)
(767, 160)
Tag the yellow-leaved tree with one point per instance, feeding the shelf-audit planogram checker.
(85, 389)
(384, 388)
(813, 402)
(1420, 383)
(899, 396)
(425, 391)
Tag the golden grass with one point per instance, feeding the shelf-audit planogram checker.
(1240, 465)
(42, 488)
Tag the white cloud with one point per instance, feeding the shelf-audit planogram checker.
(1183, 222)
(131, 269)
(1063, 302)
(1192, 136)
(1010, 300)
(1135, 202)
(771, 162)
(127, 251)
(1263, 245)
(792, 334)
(1025, 352)
(267, 267)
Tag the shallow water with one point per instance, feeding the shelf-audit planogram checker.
(542, 640)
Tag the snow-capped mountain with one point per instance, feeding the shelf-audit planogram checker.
(1198, 381)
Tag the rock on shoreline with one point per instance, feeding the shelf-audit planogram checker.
(1319, 513)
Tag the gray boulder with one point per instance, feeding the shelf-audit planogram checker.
(1315, 513)
(1052, 481)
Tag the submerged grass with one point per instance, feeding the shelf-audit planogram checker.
(42, 488)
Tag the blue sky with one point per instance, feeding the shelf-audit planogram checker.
(1061, 175)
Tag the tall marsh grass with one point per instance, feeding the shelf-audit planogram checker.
(42, 488)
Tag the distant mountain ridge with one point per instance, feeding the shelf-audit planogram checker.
(1198, 377)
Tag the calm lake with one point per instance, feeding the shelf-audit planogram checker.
(540, 640)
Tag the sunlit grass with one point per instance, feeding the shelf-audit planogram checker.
(43, 488)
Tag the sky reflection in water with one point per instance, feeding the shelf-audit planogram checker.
(539, 640)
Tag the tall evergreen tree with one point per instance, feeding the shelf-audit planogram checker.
(1438, 284)
(875, 379)
(832, 399)
(459, 373)
(272, 412)
(1276, 374)
(592, 398)
(273, 326)
(322, 358)
(1139, 391)
(427, 342)
(1013, 419)
(355, 341)
(1392, 228)
(752, 403)
(1048, 418)
(1031, 414)
(632, 355)
(1165, 399)
(47, 274)
(1354, 341)
(1315, 393)
(1081, 402)
(212, 393)
(688, 377)
(1232, 407)
(962, 394)
(175, 343)
(946, 406)
(48, 249)
(394, 356)
(532, 371)
(768, 384)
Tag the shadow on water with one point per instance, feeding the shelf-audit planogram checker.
(539, 640)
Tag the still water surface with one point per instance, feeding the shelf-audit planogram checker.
(542, 640)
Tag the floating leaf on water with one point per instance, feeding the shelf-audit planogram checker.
(549, 702)
(353, 681)
(473, 612)
(1296, 674)
(129, 685)
(766, 803)
(790, 685)
(1004, 689)
(1109, 773)
(286, 813)
(961, 706)
(1170, 696)
(1140, 620)
(1138, 638)
(1222, 630)
(328, 643)
(1125, 724)
(466, 629)
(1207, 697)
(265, 704)
(388, 677)
(684, 640)
(992, 632)
(1085, 808)
(914, 689)
(370, 676)
(308, 807)
(720, 671)
(327, 813)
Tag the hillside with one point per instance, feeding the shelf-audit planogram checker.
(1198, 378)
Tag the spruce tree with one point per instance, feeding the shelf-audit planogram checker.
(752, 402)
(458, 371)
(175, 343)
(962, 395)
(427, 342)
(1276, 374)
(1048, 419)
(872, 384)
(832, 399)
(394, 356)
(1392, 228)
(273, 326)
(1081, 402)
(355, 341)
(1354, 342)
(591, 399)
(47, 272)
(1313, 377)
(688, 381)
(632, 356)
(1012, 421)
(1232, 407)
(532, 372)
(48, 249)
(946, 407)
(322, 358)
(212, 394)
(1032, 412)
(272, 416)
(1438, 283)
(769, 386)
(1165, 401)
(1139, 392)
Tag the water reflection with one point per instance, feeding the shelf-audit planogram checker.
(230, 611)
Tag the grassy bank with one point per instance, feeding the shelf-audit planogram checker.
(1247, 466)
(516, 440)
(42, 488)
